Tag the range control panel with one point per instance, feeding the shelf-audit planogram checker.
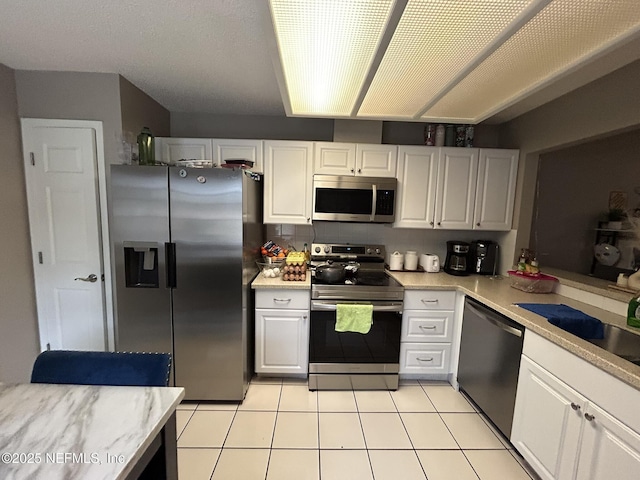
(348, 251)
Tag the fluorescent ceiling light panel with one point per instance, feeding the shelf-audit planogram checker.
(565, 34)
(326, 48)
(433, 42)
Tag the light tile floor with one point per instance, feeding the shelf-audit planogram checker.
(282, 431)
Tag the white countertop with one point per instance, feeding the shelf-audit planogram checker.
(499, 295)
(48, 424)
(261, 282)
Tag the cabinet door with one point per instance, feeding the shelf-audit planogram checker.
(334, 158)
(547, 422)
(609, 448)
(496, 188)
(416, 191)
(287, 182)
(455, 195)
(233, 149)
(282, 341)
(171, 150)
(376, 160)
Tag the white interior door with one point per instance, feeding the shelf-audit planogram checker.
(62, 183)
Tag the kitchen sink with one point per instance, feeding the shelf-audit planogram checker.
(620, 342)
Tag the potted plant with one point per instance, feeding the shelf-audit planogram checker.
(615, 217)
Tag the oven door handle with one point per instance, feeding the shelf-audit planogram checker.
(331, 307)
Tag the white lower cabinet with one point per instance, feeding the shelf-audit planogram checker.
(427, 334)
(546, 426)
(586, 432)
(282, 332)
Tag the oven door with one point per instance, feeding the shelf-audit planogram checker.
(349, 360)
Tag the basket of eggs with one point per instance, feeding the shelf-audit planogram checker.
(295, 268)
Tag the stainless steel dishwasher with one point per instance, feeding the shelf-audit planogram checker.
(490, 351)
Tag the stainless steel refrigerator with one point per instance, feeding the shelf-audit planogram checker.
(184, 243)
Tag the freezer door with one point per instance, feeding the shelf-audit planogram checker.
(209, 333)
(139, 230)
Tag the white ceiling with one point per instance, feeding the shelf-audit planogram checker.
(208, 56)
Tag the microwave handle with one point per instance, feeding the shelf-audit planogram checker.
(374, 201)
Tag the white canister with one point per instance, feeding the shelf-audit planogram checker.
(395, 261)
(411, 260)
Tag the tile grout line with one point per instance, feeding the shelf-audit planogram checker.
(273, 434)
(409, 436)
(364, 437)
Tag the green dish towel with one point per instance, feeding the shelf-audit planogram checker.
(352, 317)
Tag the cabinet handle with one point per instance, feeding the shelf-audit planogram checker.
(430, 359)
(575, 406)
(431, 223)
(478, 224)
(308, 219)
(589, 417)
(352, 170)
(359, 170)
(439, 224)
(429, 301)
(427, 327)
(282, 300)
(304, 319)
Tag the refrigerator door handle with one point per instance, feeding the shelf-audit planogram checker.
(170, 252)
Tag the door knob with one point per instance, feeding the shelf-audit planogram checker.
(91, 278)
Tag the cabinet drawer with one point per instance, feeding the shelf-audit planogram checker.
(429, 300)
(283, 298)
(425, 358)
(427, 326)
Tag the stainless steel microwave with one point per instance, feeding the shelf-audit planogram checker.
(354, 199)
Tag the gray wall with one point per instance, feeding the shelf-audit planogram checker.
(603, 107)
(19, 344)
(140, 110)
(566, 212)
(204, 125)
(74, 96)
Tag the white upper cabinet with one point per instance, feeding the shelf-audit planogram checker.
(234, 149)
(334, 158)
(355, 159)
(287, 181)
(376, 160)
(170, 150)
(456, 188)
(417, 176)
(495, 191)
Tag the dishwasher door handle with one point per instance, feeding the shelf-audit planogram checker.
(503, 326)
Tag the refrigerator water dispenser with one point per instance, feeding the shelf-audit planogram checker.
(141, 265)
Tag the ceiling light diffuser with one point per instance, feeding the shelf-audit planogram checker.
(326, 48)
(433, 42)
(565, 34)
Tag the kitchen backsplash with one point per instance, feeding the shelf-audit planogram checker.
(401, 239)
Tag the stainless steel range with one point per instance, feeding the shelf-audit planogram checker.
(349, 360)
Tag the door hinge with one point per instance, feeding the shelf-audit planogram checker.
(33, 158)
(40, 258)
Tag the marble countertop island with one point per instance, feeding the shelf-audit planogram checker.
(79, 432)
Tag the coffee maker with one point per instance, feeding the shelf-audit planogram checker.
(484, 257)
(457, 261)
